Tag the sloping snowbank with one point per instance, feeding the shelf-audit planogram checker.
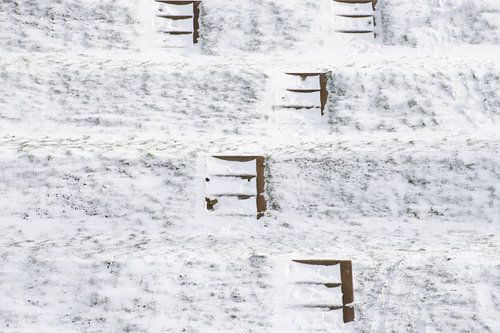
(102, 225)
(111, 239)
(83, 96)
(238, 27)
(428, 23)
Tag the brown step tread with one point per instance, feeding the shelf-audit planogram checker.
(178, 32)
(176, 17)
(304, 90)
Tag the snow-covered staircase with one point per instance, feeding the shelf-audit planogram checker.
(303, 91)
(313, 279)
(178, 22)
(234, 185)
(354, 17)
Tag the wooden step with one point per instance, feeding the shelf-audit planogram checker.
(355, 31)
(247, 177)
(354, 2)
(328, 285)
(304, 90)
(354, 15)
(177, 2)
(323, 91)
(239, 196)
(324, 306)
(176, 17)
(177, 32)
(374, 2)
(298, 107)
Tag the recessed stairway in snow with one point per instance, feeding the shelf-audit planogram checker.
(354, 17)
(303, 91)
(323, 284)
(178, 22)
(234, 185)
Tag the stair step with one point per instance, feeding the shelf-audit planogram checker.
(176, 17)
(177, 2)
(355, 31)
(304, 90)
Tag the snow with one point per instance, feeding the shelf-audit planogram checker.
(429, 23)
(218, 166)
(308, 99)
(313, 295)
(167, 25)
(231, 185)
(298, 272)
(351, 24)
(358, 9)
(298, 301)
(174, 9)
(298, 82)
(236, 206)
(235, 195)
(104, 138)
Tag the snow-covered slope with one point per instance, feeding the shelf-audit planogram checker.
(113, 239)
(239, 26)
(424, 23)
(103, 139)
(68, 96)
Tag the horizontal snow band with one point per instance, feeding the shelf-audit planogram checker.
(167, 24)
(348, 9)
(171, 9)
(235, 206)
(342, 23)
(228, 185)
(298, 272)
(315, 295)
(179, 39)
(290, 98)
(301, 82)
(216, 166)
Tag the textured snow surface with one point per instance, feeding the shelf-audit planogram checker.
(87, 95)
(239, 26)
(104, 139)
(425, 23)
(113, 240)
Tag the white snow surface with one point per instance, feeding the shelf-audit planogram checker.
(104, 134)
